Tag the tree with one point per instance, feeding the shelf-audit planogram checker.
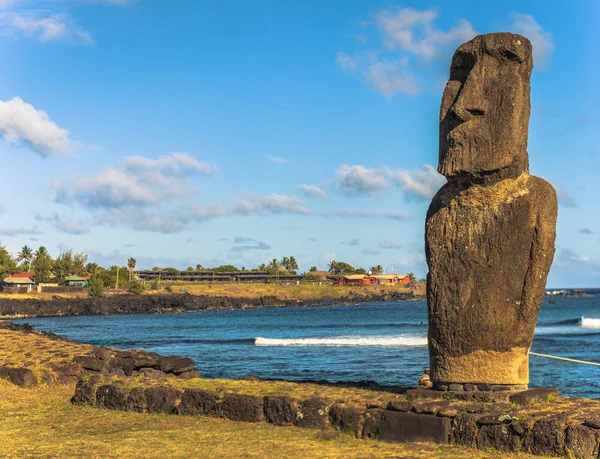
(225, 269)
(290, 264)
(190, 268)
(313, 269)
(135, 287)
(64, 265)
(8, 264)
(92, 269)
(26, 255)
(96, 287)
(199, 267)
(377, 269)
(42, 265)
(131, 262)
(79, 261)
(412, 279)
(273, 267)
(332, 267)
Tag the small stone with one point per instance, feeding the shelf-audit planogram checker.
(455, 387)
(469, 387)
(440, 387)
(485, 387)
(501, 388)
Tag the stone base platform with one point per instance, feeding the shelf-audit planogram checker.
(535, 421)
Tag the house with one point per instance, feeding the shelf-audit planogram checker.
(391, 279)
(76, 281)
(354, 279)
(18, 281)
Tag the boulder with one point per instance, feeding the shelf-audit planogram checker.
(532, 396)
(500, 436)
(189, 374)
(161, 399)
(486, 281)
(151, 373)
(175, 364)
(238, 407)
(22, 377)
(464, 429)
(85, 391)
(547, 438)
(102, 353)
(136, 400)
(408, 427)
(281, 410)
(581, 441)
(199, 401)
(91, 363)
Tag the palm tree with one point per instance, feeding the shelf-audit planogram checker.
(377, 269)
(131, 265)
(411, 277)
(331, 266)
(25, 255)
(92, 268)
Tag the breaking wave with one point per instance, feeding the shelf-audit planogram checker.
(590, 323)
(398, 341)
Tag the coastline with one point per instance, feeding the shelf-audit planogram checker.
(13, 308)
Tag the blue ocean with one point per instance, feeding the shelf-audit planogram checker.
(383, 342)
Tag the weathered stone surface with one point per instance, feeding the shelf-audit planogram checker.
(313, 413)
(402, 427)
(90, 363)
(189, 374)
(464, 429)
(102, 353)
(547, 437)
(281, 410)
(532, 396)
(247, 408)
(372, 423)
(347, 419)
(499, 436)
(581, 441)
(399, 405)
(327, 434)
(123, 363)
(69, 370)
(136, 400)
(111, 396)
(152, 373)
(199, 401)
(22, 377)
(175, 364)
(85, 391)
(486, 280)
(161, 399)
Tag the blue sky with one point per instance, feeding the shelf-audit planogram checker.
(184, 132)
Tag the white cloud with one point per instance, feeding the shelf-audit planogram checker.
(55, 27)
(20, 231)
(422, 184)
(361, 180)
(391, 77)
(407, 34)
(352, 242)
(245, 244)
(273, 203)
(139, 181)
(311, 190)
(278, 160)
(366, 213)
(413, 31)
(65, 226)
(22, 122)
(543, 44)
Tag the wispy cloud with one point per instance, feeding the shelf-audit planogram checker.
(542, 41)
(245, 244)
(387, 214)
(21, 122)
(19, 231)
(278, 160)
(311, 190)
(564, 198)
(389, 245)
(351, 242)
(56, 27)
(586, 231)
(422, 184)
(68, 226)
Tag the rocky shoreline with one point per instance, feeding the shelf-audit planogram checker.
(168, 303)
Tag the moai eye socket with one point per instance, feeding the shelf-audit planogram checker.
(462, 63)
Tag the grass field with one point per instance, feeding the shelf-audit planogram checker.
(41, 422)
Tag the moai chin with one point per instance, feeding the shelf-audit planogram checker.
(489, 237)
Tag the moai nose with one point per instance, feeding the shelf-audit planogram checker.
(470, 101)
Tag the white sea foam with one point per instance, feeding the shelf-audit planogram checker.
(345, 341)
(590, 323)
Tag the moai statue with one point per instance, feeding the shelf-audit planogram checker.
(490, 230)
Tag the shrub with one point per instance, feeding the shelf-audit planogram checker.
(135, 287)
(154, 285)
(96, 287)
(168, 288)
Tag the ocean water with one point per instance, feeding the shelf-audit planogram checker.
(383, 342)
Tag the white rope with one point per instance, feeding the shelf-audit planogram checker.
(566, 359)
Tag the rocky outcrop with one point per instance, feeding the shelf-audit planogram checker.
(490, 230)
(19, 376)
(156, 304)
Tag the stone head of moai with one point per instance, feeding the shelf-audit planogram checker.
(489, 234)
(485, 107)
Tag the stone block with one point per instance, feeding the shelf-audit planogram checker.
(399, 405)
(547, 437)
(404, 427)
(247, 408)
(111, 396)
(347, 419)
(175, 364)
(161, 399)
(581, 442)
(152, 373)
(281, 410)
(500, 436)
(199, 401)
(313, 413)
(189, 374)
(102, 353)
(532, 396)
(136, 400)
(372, 423)
(464, 429)
(22, 377)
(85, 392)
(91, 363)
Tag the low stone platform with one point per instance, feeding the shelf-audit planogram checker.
(535, 421)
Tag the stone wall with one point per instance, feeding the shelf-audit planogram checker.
(517, 421)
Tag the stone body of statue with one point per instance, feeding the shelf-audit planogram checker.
(490, 230)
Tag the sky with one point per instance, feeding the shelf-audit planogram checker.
(210, 132)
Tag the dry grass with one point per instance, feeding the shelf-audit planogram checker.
(40, 422)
